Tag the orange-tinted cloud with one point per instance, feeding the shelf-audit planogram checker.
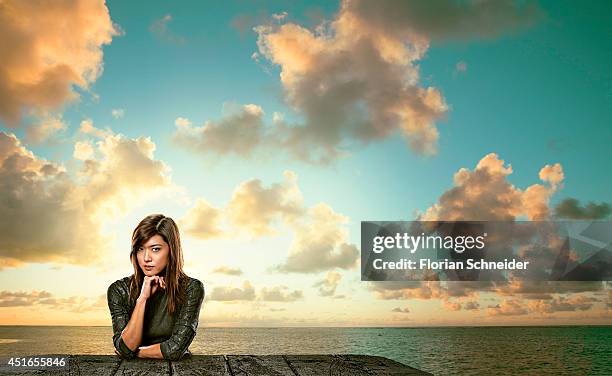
(254, 207)
(563, 304)
(240, 132)
(202, 220)
(280, 294)
(401, 310)
(228, 270)
(327, 286)
(47, 48)
(46, 299)
(230, 293)
(508, 307)
(46, 127)
(486, 194)
(320, 243)
(247, 293)
(354, 83)
(50, 215)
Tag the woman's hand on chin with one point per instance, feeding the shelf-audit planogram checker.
(150, 286)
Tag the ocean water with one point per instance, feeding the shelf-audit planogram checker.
(577, 350)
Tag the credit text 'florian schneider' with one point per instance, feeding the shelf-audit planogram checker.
(458, 244)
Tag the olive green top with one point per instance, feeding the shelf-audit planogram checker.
(174, 333)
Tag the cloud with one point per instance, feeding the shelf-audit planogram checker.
(471, 305)
(280, 294)
(563, 304)
(47, 125)
(460, 67)
(486, 194)
(279, 16)
(247, 293)
(202, 220)
(244, 23)
(552, 174)
(571, 208)
(116, 178)
(320, 243)
(41, 194)
(63, 214)
(508, 307)
(46, 299)
(446, 19)
(47, 48)
(425, 290)
(22, 298)
(118, 113)
(229, 293)
(160, 29)
(86, 127)
(355, 79)
(513, 307)
(511, 298)
(228, 270)
(83, 150)
(353, 83)
(327, 287)
(240, 132)
(401, 310)
(455, 305)
(545, 289)
(254, 207)
(452, 305)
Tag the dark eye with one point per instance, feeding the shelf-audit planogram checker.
(157, 249)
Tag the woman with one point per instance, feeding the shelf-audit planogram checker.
(155, 311)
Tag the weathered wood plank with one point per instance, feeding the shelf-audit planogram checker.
(201, 365)
(315, 365)
(143, 367)
(84, 365)
(259, 365)
(378, 365)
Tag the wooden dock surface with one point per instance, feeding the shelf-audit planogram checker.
(229, 365)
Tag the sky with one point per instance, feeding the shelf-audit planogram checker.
(270, 130)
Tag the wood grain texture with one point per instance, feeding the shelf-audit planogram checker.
(201, 365)
(259, 365)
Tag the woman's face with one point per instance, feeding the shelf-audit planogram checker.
(153, 255)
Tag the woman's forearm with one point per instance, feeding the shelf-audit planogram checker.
(132, 333)
(152, 351)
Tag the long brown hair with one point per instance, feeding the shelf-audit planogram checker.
(176, 280)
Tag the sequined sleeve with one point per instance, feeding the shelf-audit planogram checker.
(186, 323)
(117, 296)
